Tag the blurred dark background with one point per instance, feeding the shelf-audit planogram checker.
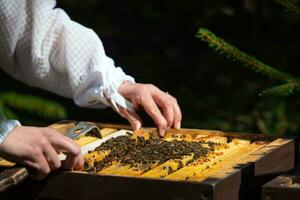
(154, 41)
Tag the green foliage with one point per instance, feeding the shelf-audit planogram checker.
(290, 85)
(271, 117)
(281, 90)
(290, 7)
(223, 47)
(11, 103)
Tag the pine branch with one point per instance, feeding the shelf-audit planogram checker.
(34, 105)
(290, 7)
(282, 90)
(222, 47)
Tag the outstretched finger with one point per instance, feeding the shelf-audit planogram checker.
(73, 162)
(79, 164)
(133, 118)
(170, 107)
(153, 111)
(177, 116)
(64, 144)
(52, 157)
(166, 105)
(41, 168)
(69, 148)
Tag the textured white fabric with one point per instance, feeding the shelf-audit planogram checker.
(41, 46)
(6, 126)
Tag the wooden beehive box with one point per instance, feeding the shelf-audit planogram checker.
(248, 161)
(285, 186)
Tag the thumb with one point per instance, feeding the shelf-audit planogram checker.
(133, 118)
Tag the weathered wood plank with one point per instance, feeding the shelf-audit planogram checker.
(116, 187)
(278, 156)
(285, 186)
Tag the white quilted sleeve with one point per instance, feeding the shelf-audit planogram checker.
(41, 46)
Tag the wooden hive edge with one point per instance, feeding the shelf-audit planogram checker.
(282, 187)
(119, 187)
(276, 157)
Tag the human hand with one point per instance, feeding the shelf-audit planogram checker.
(159, 105)
(38, 149)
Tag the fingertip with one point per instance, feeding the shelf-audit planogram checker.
(134, 119)
(161, 131)
(76, 149)
(79, 165)
(177, 125)
(136, 125)
(81, 162)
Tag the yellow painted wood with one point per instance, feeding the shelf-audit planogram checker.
(114, 168)
(62, 128)
(215, 139)
(178, 136)
(198, 134)
(5, 163)
(205, 162)
(85, 140)
(228, 164)
(107, 131)
(88, 139)
(164, 169)
(95, 156)
(131, 171)
(141, 133)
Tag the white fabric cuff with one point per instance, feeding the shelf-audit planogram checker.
(6, 126)
(91, 94)
(114, 97)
